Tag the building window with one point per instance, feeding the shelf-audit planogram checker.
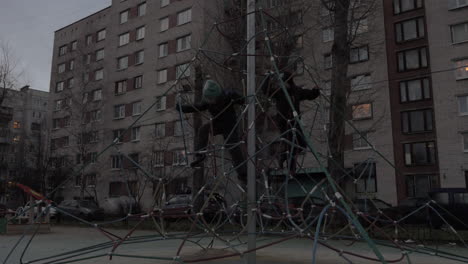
(58, 105)
(400, 6)
(119, 111)
(454, 4)
(418, 185)
(183, 71)
(461, 69)
(135, 133)
(160, 130)
(120, 87)
(61, 68)
(165, 3)
(360, 141)
(59, 87)
(328, 34)
(117, 135)
(89, 40)
(63, 50)
(124, 39)
(16, 125)
(72, 65)
(361, 82)
(184, 17)
(463, 105)
(412, 59)
(365, 177)
(465, 141)
(359, 54)
(422, 153)
(124, 16)
(87, 58)
(101, 35)
(158, 158)
(164, 24)
(359, 26)
(66, 121)
(99, 75)
(179, 158)
(142, 9)
(138, 82)
(136, 108)
(97, 95)
(140, 33)
(85, 98)
(116, 162)
(162, 76)
(327, 61)
(160, 103)
(74, 45)
(140, 57)
(410, 29)
(99, 54)
(184, 43)
(362, 111)
(122, 63)
(55, 123)
(96, 115)
(163, 50)
(415, 90)
(417, 121)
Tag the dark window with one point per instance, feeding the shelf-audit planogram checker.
(421, 153)
(415, 90)
(359, 54)
(138, 82)
(412, 59)
(134, 157)
(400, 6)
(409, 29)
(417, 121)
(418, 185)
(365, 176)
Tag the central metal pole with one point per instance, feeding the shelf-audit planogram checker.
(251, 188)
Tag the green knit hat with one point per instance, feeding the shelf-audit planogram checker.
(211, 90)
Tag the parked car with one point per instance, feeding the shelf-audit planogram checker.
(84, 209)
(180, 206)
(20, 211)
(120, 206)
(452, 205)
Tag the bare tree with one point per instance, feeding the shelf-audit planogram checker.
(9, 71)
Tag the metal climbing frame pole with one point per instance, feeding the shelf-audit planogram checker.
(251, 188)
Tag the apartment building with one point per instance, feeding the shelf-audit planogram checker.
(405, 98)
(22, 137)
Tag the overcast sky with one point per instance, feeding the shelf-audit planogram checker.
(28, 26)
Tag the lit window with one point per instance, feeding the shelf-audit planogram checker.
(463, 105)
(137, 107)
(415, 90)
(120, 87)
(101, 35)
(183, 71)
(184, 43)
(162, 76)
(422, 153)
(16, 125)
(165, 3)
(138, 82)
(461, 69)
(359, 54)
(124, 16)
(99, 75)
(412, 59)
(135, 133)
(122, 63)
(160, 130)
(139, 57)
(99, 54)
(59, 87)
(400, 6)
(164, 24)
(124, 39)
(410, 29)
(161, 103)
(142, 9)
(362, 111)
(184, 17)
(140, 33)
(119, 111)
(361, 82)
(163, 50)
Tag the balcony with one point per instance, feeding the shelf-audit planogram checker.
(6, 114)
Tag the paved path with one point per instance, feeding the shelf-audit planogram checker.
(64, 239)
